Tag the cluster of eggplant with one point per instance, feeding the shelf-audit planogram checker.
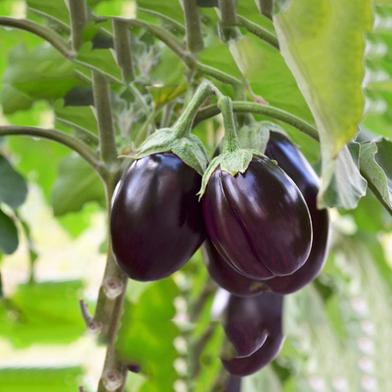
(263, 233)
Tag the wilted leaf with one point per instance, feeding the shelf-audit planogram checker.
(323, 43)
(376, 162)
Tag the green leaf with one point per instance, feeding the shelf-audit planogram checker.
(268, 75)
(77, 184)
(170, 8)
(323, 43)
(342, 185)
(147, 335)
(49, 76)
(76, 116)
(13, 187)
(8, 234)
(376, 162)
(40, 379)
(42, 313)
(38, 160)
(55, 9)
(100, 59)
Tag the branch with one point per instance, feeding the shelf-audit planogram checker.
(78, 146)
(164, 18)
(228, 18)
(123, 48)
(270, 111)
(258, 31)
(102, 102)
(78, 18)
(194, 36)
(266, 7)
(48, 35)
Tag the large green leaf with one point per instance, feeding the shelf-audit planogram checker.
(77, 184)
(13, 187)
(40, 379)
(147, 335)
(376, 162)
(42, 313)
(323, 43)
(40, 73)
(8, 234)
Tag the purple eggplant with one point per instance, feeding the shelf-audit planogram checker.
(299, 170)
(258, 220)
(255, 323)
(244, 366)
(156, 219)
(249, 321)
(226, 277)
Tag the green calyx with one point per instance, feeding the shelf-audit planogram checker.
(233, 162)
(255, 135)
(178, 139)
(188, 148)
(234, 159)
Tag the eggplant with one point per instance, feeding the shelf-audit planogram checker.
(258, 220)
(227, 278)
(245, 366)
(249, 321)
(257, 320)
(301, 172)
(156, 219)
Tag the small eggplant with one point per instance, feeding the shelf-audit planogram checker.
(156, 219)
(244, 366)
(258, 320)
(258, 220)
(226, 277)
(299, 170)
(249, 321)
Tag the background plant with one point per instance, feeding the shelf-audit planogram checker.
(106, 82)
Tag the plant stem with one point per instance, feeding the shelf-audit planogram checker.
(164, 18)
(184, 123)
(270, 111)
(258, 31)
(123, 48)
(48, 35)
(228, 18)
(102, 102)
(78, 17)
(194, 35)
(230, 141)
(75, 144)
(266, 7)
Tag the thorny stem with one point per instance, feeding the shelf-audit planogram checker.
(78, 16)
(123, 48)
(194, 35)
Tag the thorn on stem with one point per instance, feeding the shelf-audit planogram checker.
(92, 325)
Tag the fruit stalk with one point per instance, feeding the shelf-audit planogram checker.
(194, 37)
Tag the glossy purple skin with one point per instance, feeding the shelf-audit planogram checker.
(249, 321)
(244, 366)
(233, 384)
(298, 168)
(267, 308)
(156, 219)
(258, 221)
(226, 277)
